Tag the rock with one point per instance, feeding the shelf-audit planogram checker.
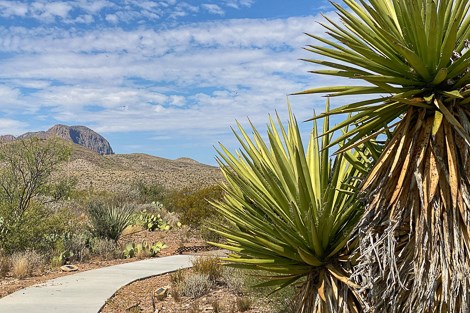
(161, 293)
(79, 135)
(69, 268)
(83, 136)
(7, 138)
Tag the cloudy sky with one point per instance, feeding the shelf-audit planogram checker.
(167, 78)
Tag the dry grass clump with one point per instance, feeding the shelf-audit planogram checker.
(24, 264)
(177, 277)
(106, 249)
(209, 266)
(132, 229)
(5, 265)
(244, 304)
(216, 306)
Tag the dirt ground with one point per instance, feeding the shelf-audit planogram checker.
(137, 297)
(174, 239)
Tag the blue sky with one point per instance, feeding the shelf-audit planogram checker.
(167, 78)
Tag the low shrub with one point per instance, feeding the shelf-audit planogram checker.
(5, 265)
(149, 192)
(109, 221)
(23, 264)
(193, 205)
(244, 304)
(208, 235)
(235, 279)
(195, 286)
(105, 249)
(209, 266)
(38, 229)
(177, 277)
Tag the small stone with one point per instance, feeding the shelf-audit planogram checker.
(161, 293)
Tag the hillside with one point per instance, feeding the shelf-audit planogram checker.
(95, 165)
(118, 171)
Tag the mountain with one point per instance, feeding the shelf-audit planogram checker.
(79, 135)
(95, 167)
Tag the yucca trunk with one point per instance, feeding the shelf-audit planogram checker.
(322, 293)
(415, 253)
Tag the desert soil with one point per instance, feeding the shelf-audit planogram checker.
(173, 239)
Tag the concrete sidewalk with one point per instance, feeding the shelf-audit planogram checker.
(87, 292)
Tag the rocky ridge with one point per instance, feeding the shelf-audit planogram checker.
(79, 135)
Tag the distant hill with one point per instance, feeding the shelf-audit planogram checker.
(95, 166)
(117, 172)
(79, 135)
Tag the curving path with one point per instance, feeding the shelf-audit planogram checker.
(87, 292)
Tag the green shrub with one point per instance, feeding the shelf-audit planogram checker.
(150, 192)
(193, 205)
(209, 235)
(39, 229)
(109, 221)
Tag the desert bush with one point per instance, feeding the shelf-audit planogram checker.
(39, 229)
(235, 279)
(105, 248)
(78, 245)
(25, 185)
(175, 294)
(62, 188)
(177, 277)
(206, 233)
(150, 192)
(193, 205)
(209, 266)
(195, 285)
(109, 221)
(23, 264)
(216, 306)
(5, 265)
(244, 304)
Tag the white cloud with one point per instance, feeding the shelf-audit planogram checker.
(187, 79)
(12, 127)
(13, 8)
(128, 11)
(236, 4)
(49, 11)
(112, 18)
(213, 8)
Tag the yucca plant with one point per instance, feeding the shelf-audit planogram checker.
(290, 213)
(109, 221)
(415, 234)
